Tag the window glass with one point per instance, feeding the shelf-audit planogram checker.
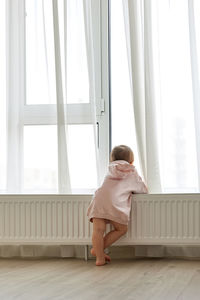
(82, 162)
(40, 61)
(40, 56)
(77, 72)
(40, 159)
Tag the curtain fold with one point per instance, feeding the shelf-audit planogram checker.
(89, 14)
(61, 102)
(15, 94)
(137, 18)
(195, 79)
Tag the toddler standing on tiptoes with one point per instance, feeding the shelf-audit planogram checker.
(112, 201)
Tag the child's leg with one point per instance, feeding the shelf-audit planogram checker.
(99, 227)
(114, 235)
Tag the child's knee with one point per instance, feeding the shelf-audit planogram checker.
(124, 229)
(120, 227)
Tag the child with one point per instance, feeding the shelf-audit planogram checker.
(112, 201)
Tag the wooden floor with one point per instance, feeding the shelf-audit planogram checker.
(77, 279)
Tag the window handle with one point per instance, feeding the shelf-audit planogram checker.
(97, 134)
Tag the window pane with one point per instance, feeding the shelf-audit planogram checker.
(77, 72)
(2, 98)
(40, 66)
(40, 56)
(40, 159)
(82, 162)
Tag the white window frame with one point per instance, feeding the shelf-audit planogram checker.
(45, 114)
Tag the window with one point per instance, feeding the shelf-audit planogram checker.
(28, 129)
(34, 91)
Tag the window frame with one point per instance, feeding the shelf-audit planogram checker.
(45, 114)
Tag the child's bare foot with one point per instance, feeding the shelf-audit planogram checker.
(107, 257)
(100, 262)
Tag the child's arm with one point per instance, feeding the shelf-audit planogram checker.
(139, 187)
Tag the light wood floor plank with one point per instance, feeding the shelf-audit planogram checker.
(192, 290)
(74, 279)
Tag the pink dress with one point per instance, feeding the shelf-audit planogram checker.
(112, 201)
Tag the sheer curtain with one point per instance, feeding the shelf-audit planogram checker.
(140, 57)
(15, 95)
(86, 9)
(194, 31)
(61, 101)
(25, 87)
(89, 15)
(163, 55)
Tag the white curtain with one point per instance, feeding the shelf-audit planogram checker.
(195, 65)
(162, 39)
(61, 101)
(137, 17)
(17, 91)
(15, 95)
(89, 15)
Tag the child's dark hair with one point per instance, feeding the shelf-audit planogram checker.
(122, 152)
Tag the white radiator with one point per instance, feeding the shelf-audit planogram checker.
(61, 219)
